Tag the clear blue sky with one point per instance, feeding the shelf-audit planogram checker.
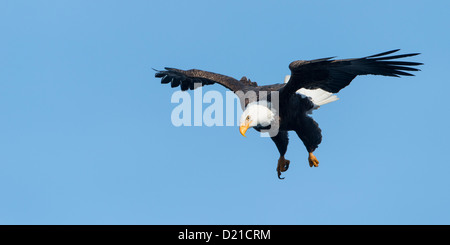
(86, 135)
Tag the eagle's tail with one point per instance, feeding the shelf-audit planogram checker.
(318, 96)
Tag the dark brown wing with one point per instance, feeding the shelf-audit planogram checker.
(187, 79)
(333, 75)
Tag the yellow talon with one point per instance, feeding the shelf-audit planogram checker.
(282, 166)
(313, 160)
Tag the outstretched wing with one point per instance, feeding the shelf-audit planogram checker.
(187, 79)
(333, 75)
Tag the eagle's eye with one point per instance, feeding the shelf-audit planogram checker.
(247, 118)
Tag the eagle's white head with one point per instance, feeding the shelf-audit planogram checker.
(256, 114)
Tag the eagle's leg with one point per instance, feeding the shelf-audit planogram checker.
(282, 166)
(281, 141)
(313, 160)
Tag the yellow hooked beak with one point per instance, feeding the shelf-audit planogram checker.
(243, 128)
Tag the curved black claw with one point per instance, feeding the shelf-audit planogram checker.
(279, 174)
(283, 165)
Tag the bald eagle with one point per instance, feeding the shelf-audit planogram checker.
(312, 83)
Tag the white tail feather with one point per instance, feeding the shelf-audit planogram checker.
(318, 96)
